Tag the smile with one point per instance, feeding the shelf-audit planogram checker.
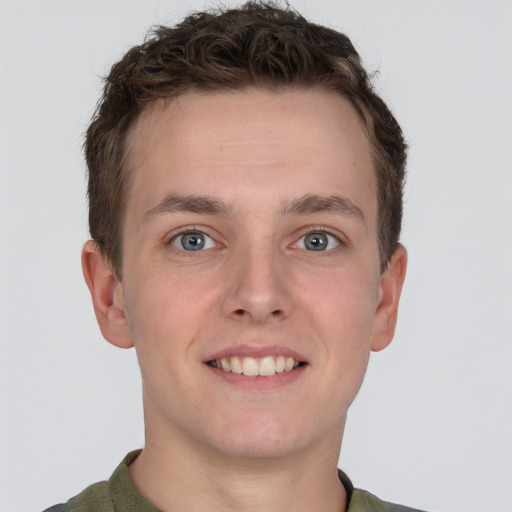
(256, 367)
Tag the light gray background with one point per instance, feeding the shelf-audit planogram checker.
(432, 425)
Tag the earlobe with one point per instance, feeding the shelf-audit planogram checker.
(107, 296)
(386, 313)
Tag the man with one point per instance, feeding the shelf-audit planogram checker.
(245, 189)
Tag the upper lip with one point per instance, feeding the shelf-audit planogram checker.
(256, 351)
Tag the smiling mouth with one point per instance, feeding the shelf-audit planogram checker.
(256, 367)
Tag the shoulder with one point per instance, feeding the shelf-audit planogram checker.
(95, 498)
(363, 501)
(58, 508)
(116, 494)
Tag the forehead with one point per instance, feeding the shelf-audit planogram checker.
(250, 142)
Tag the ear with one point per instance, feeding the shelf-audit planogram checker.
(391, 283)
(107, 296)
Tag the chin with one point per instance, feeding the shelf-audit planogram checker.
(261, 441)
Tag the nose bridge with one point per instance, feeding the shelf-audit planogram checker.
(258, 288)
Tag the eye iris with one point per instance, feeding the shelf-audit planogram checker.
(316, 241)
(192, 241)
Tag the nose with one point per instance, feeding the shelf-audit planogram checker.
(258, 288)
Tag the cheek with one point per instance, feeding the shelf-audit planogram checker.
(164, 317)
(342, 302)
(165, 313)
(341, 310)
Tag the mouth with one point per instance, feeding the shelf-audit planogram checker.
(256, 366)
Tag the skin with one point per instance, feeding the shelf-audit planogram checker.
(248, 443)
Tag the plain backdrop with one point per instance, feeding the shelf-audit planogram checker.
(432, 425)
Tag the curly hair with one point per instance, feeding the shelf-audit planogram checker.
(256, 45)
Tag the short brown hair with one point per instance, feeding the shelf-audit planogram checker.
(256, 45)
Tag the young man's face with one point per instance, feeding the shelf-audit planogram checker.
(250, 242)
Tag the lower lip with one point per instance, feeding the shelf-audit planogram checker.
(269, 383)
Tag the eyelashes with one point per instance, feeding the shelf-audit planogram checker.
(318, 241)
(194, 240)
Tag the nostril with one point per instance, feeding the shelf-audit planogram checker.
(257, 316)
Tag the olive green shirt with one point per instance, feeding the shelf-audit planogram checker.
(119, 494)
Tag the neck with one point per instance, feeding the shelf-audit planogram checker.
(177, 476)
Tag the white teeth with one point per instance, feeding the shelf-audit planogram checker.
(236, 365)
(253, 367)
(288, 365)
(250, 366)
(267, 366)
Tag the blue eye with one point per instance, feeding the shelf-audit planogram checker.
(318, 241)
(193, 241)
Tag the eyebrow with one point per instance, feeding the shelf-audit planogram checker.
(305, 205)
(174, 203)
(313, 203)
